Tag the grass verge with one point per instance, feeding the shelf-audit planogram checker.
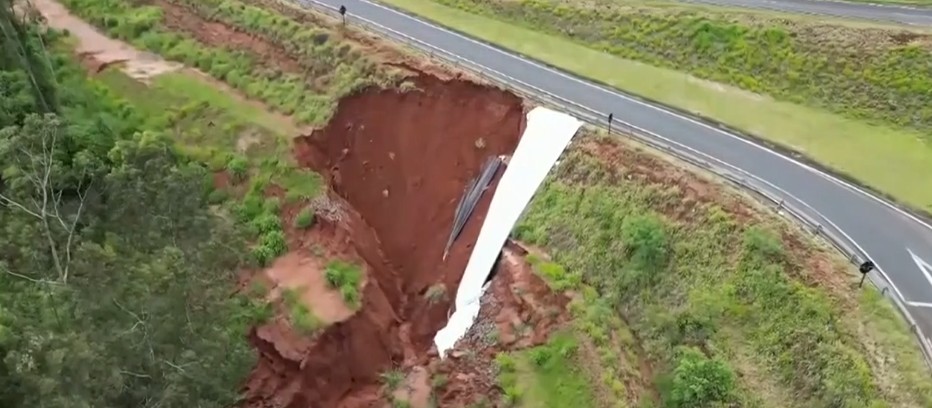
(309, 98)
(898, 156)
(544, 376)
(729, 306)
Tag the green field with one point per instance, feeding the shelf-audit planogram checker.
(833, 116)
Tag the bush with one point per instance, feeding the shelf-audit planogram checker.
(645, 238)
(699, 381)
(301, 317)
(238, 167)
(305, 218)
(218, 196)
(271, 245)
(506, 363)
(346, 278)
(249, 208)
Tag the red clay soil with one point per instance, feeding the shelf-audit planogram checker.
(216, 34)
(518, 311)
(400, 162)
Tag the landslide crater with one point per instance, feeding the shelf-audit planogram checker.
(398, 161)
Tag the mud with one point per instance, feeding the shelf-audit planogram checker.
(397, 161)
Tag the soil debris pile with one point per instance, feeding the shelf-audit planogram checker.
(398, 161)
(518, 311)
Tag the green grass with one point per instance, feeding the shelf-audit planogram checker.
(615, 357)
(345, 277)
(334, 69)
(923, 3)
(899, 158)
(304, 219)
(392, 379)
(544, 376)
(205, 119)
(216, 126)
(696, 277)
(299, 314)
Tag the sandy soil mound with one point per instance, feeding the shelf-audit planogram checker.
(399, 161)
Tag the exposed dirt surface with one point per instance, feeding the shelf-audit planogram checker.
(215, 34)
(519, 310)
(303, 272)
(398, 163)
(99, 51)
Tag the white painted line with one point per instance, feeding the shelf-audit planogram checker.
(922, 264)
(920, 304)
(814, 170)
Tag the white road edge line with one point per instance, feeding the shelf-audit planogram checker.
(924, 266)
(778, 189)
(657, 108)
(920, 304)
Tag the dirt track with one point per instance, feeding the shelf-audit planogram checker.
(100, 51)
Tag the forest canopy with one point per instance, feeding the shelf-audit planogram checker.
(116, 284)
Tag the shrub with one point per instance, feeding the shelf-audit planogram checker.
(699, 381)
(305, 218)
(506, 363)
(301, 317)
(346, 278)
(392, 379)
(249, 208)
(272, 205)
(646, 240)
(238, 167)
(218, 196)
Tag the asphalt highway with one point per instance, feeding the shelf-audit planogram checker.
(898, 243)
(866, 11)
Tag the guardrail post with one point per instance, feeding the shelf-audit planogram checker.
(865, 268)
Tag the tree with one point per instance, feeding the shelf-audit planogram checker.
(23, 47)
(37, 177)
(115, 276)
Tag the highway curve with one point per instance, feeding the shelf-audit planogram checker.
(866, 11)
(900, 244)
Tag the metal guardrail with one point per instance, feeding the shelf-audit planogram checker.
(784, 202)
